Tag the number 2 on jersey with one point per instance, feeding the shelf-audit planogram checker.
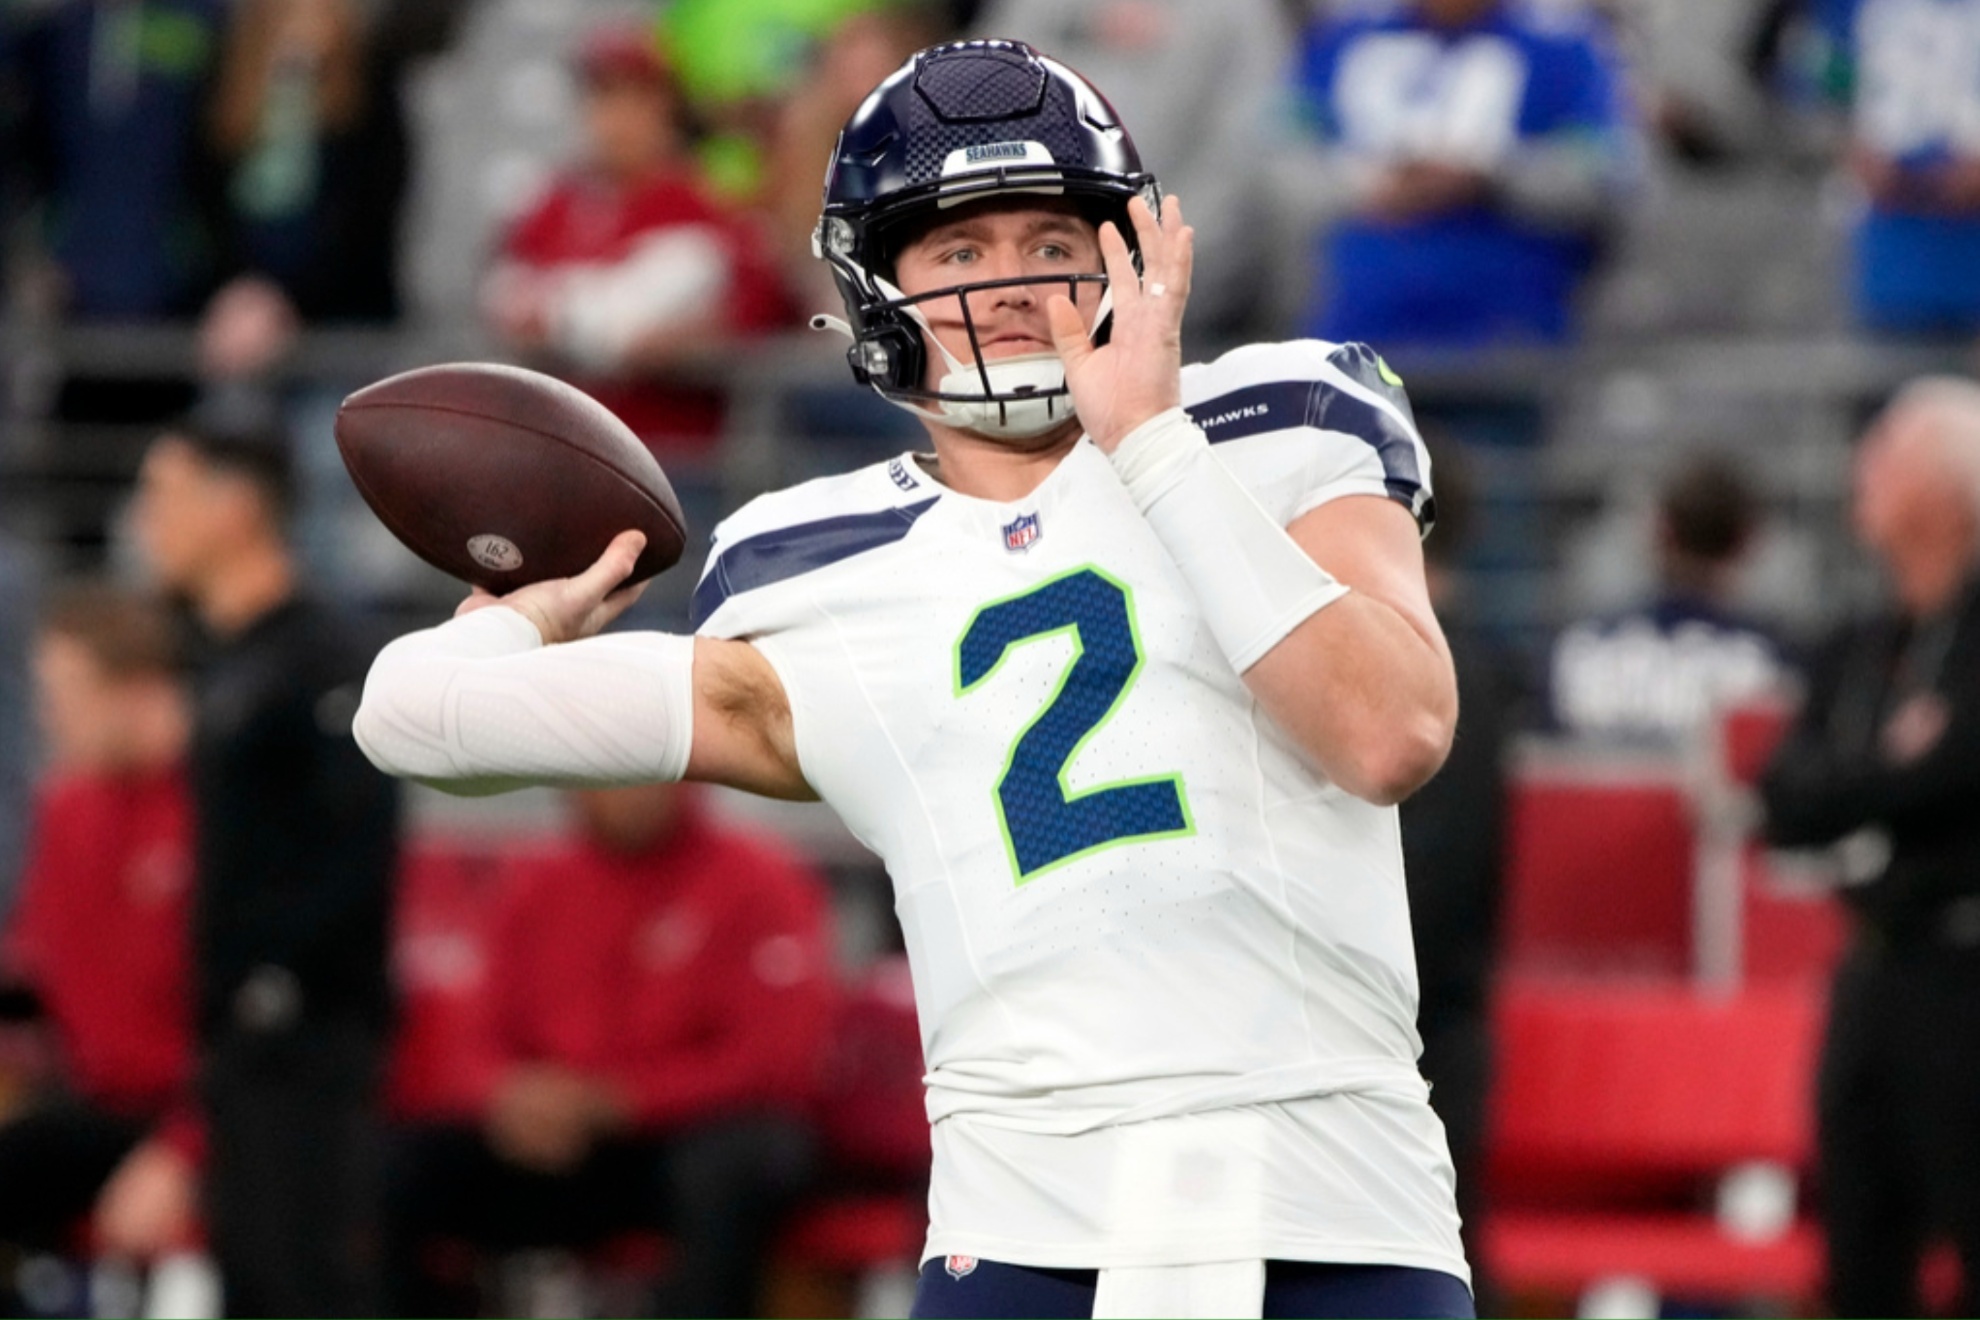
(1045, 822)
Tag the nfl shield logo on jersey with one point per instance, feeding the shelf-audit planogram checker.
(1020, 534)
(957, 1266)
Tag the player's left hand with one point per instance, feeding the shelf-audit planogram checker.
(1138, 372)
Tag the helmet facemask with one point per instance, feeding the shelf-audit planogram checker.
(1013, 398)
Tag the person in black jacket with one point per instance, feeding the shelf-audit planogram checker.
(296, 841)
(1453, 836)
(1884, 761)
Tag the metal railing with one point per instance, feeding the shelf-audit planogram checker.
(1606, 409)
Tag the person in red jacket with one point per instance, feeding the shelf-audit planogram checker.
(626, 267)
(99, 936)
(663, 996)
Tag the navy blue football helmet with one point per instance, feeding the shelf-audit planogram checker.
(957, 122)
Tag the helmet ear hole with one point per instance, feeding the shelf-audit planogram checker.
(889, 355)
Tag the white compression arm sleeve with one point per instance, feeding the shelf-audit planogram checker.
(1254, 583)
(481, 705)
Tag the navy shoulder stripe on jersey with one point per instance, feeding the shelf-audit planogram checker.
(1278, 405)
(787, 552)
(1364, 366)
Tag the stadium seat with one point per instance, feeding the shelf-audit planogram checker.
(1747, 736)
(1788, 926)
(1598, 870)
(1623, 1110)
(1791, 931)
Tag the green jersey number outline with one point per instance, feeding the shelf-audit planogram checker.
(1045, 823)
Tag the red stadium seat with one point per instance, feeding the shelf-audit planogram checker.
(1787, 930)
(1598, 871)
(1748, 734)
(1790, 933)
(1618, 1108)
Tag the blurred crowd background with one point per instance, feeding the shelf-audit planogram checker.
(1651, 269)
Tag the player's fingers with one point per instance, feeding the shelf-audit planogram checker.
(478, 599)
(1118, 262)
(611, 568)
(1148, 233)
(1069, 335)
(1183, 255)
(616, 604)
(1168, 261)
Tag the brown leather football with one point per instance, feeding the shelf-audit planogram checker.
(503, 476)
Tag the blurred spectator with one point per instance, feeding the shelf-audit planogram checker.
(738, 62)
(839, 425)
(99, 938)
(18, 585)
(1699, 69)
(296, 844)
(309, 165)
(1905, 68)
(1453, 834)
(626, 267)
(662, 1004)
(1659, 673)
(443, 931)
(853, 59)
(1884, 761)
(1198, 82)
(1475, 151)
(308, 138)
(112, 93)
(109, 97)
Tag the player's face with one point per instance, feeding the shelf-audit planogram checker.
(1002, 240)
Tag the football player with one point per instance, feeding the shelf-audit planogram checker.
(1122, 681)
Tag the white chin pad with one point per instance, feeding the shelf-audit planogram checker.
(1041, 375)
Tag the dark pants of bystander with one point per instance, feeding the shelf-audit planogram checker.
(1899, 1119)
(292, 1179)
(716, 1191)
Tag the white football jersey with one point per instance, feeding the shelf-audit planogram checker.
(1126, 895)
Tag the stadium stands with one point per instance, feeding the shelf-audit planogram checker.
(1623, 1110)
(1661, 972)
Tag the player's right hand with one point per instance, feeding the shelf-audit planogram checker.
(1137, 373)
(565, 609)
